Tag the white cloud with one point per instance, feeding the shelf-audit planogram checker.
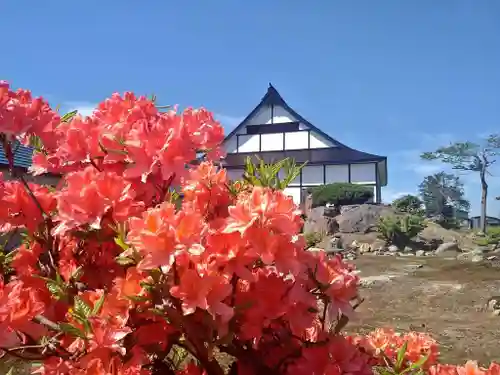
(83, 108)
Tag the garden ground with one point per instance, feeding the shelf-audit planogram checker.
(442, 297)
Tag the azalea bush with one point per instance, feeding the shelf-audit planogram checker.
(119, 276)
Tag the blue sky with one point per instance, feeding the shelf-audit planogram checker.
(389, 77)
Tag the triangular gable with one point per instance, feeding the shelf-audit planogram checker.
(273, 109)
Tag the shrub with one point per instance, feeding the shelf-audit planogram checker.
(313, 239)
(116, 276)
(491, 237)
(341, 194)
(400, 230)
(410, 204)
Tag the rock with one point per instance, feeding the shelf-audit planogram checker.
(334, 250)
(496, 312)
(477, 258)
(336, 243)
(492, 257)
(493, 304)
(447, 248)
(420, 253)
(412, 267)
(362, 218)
(354, 245)
(316, 221)
(470, 256)
(393, 249)
(480, 250)
(371, 280)
(365, 248)
(408, 249)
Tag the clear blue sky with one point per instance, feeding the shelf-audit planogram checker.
(388, 77)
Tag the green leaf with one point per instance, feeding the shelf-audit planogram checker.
(82, 308)
(138, 298)
(71, 330)
(416, 365)
(120, 241)
(98, 304)
(401, 356)
(124, 261)
(68, 116)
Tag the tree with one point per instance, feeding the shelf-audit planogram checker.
(471, 157)
(442, 194)
(408, 203)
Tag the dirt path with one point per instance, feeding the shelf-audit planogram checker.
(442, 297)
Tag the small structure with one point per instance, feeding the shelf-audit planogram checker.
(274, 131)
(491, 221)
(22, 161)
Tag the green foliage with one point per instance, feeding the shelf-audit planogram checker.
(410, 204)
(491, 237)
(341, 194)
(313, 238)
(400, 230)
(443, 194)
(268, 175)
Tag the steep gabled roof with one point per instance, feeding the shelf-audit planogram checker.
(272, 97)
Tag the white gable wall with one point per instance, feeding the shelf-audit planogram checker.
(266, 115)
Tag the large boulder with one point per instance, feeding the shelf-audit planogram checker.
(362, 218)
(322, 220)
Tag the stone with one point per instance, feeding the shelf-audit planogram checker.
(447, 248)
(412, 267)
(393, 249)
(364, 248)
(316, 221)
(362, 218)
(336, 242)
(470, 256)
(492, 257)
(420, 253)
(480, 250)
(371, 280)
(477, 258)
(496, 312)
(354, 245)
(407, 249)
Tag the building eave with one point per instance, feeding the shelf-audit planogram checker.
(331, 155)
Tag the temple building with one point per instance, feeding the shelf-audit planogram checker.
(273, 131)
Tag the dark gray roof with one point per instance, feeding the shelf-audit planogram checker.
(22, 157)
(332, 155)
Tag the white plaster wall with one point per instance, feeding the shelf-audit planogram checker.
(337, 173)
(263, 116)
(317, 141)
(248, 143)
(293, 192)
(296, 140)
(231, 145)
(363, 173)
(271, 142)
(281, 115)
(312, 175)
